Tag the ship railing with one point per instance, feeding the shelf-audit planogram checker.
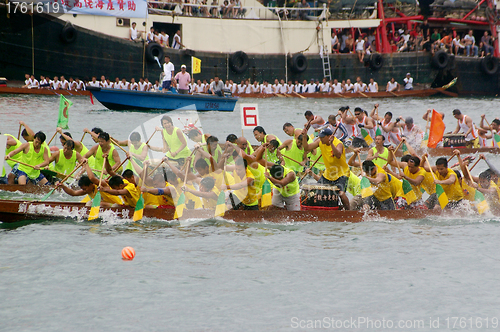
(174, 8)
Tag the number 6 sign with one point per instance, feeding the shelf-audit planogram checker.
(249, 116)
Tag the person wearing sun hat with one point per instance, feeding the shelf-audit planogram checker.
(408, 82)
(183, 79)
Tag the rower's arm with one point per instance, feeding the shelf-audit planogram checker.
(116, 192)
(241, 185)
(31, 133)
(448, 181)
(285, 144)
(107, 165)
(290, 177)
(91, 152)
(457, 129)
(207, 195)
(389, 171)
(158, 191)
(369, 124)
(377, 180)
(72, 192)
(468, 122)
(91, 133)
(143, 154)
(307, 146)
(52, 158)
(353, 161)
(481, 124)
(337, 150)
(416, 181)
(122, 143)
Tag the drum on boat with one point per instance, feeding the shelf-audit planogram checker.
(319, 197)
(453, 140)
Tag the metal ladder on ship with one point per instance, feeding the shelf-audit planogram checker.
(325, 59)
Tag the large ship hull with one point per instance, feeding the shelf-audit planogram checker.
(93, 53)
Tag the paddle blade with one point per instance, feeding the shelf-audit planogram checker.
(366, 188)
(220, 208)
(179, 207)
(481, 203)
(441, 196)
(48, 195)
(96, 204)
(266, 199)
(139, 209)
(408, 191)
(378, 131)
(366, 136)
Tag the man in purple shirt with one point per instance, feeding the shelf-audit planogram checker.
(183, 79)
(486, 43)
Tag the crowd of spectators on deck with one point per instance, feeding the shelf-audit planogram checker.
(202, 8)
(418, 38)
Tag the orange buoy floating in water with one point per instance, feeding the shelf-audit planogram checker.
(128, 253)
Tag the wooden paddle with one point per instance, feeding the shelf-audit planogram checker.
(121, 164)
(19, 132)
(83, 136)
(364, 95)
(60, 183)
(394, 94)
(52, 138)
(32, 166)
(154, 169)
(470, 169)
(298, 95)
(343, 95)
(150, 137)
(291, 159)
(305, 173)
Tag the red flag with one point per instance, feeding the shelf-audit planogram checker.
(437, 129)
(91, 99)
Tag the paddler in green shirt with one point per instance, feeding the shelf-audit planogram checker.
(12, 144)
(262, 137)
(33, 154)
(293, 154)
(65, 160)
(136, 149)
(104, 147)
(174, 141)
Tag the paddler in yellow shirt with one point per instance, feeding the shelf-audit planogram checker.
(88, 186)
(336, 169)
(448, 179)
(208, 192)
(244, 188)
(380, 180)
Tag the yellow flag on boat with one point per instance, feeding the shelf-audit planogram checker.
(441, 196)
(179, 207)
(139, 209)
(220, 208)
(96, 204)
(481, 203)
(366, 136)
(195, 65)
(408, 191)
(64, 105)
(266, 199)
(366, 188)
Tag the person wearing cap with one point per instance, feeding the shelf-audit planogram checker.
(336, 169)
(408, 82)
(183, 79)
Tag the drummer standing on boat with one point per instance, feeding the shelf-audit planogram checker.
(336, 169)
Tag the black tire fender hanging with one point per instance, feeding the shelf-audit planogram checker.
(440, 59)
(154, 50)
(489, 65)
(298, 63)
(238, 61)
(68, 34)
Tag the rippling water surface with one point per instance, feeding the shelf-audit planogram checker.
(216, 275)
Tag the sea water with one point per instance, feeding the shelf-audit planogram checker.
(213, 275)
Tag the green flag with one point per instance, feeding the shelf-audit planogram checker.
(139, 209)
(378, 131)
(496, 137)
(64, 105)
(366, 187)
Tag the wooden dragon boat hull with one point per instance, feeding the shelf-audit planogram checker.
(17, 210)
(45, 92)
(381, 94)
(27, 189)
